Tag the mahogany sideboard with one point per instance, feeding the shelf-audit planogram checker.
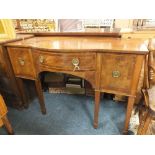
(111, 65)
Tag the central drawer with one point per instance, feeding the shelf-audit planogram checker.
(65, 61)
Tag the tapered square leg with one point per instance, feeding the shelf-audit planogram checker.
(131, 101)
(23, 95)
(40, 95)
(96, 109)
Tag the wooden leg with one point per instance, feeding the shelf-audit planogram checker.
(96, 109)
(131, 101)
(7, 125)
(22, 92)
(40, 96)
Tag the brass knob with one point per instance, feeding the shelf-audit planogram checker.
(21, 61)
(75, 63)
(41, 59)
(116, 74)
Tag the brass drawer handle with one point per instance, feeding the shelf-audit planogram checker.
(41, 59)
(116, 74)
(21, 61)
(75, 63)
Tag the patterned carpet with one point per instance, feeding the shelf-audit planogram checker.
(68, 115)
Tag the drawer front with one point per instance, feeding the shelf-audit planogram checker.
(117, 71)
(22, 62)
(66, 61)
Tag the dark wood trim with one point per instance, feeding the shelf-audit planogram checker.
(84, 34)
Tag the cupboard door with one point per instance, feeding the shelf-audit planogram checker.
(117, 71)
(22, 62)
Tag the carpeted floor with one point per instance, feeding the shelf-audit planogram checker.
(68, 115)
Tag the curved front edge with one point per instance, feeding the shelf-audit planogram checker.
(89, 75)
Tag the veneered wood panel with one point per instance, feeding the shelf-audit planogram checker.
(117, 72)
(22, 62)
(63, 61)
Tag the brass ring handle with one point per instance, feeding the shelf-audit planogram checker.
(41, 59)
(21, 61)
(116, 74)
(76, 68)
(75, 62)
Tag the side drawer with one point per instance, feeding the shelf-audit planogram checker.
(117, 71)
(22, 62)
(66, 61)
